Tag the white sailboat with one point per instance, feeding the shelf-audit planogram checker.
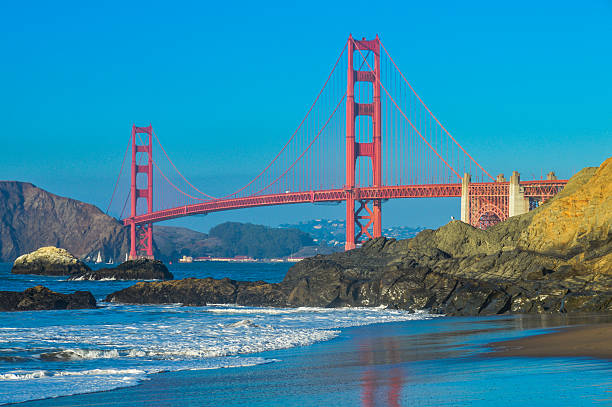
(99, 258)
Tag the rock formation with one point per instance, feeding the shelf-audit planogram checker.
(141, 269)
(556, 258)
(41, 298)
(199, 292)
(50, 261)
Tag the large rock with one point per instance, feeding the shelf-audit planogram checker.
(50, 261)
(41, 298)
(199, 292)
(141, 269)
(556, 258)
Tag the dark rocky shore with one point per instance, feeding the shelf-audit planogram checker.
(556, 258)
(42, 298)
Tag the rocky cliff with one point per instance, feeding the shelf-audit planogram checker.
(557, 258)
(31, 217)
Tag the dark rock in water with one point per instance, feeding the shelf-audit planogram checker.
(556, 258)
(199, 292)
(50, 261)
(42, 298)
(141, 269)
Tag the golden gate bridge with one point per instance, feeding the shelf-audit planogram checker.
(366, 138)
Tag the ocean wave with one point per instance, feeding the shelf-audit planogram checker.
(79, 354)
(19, 375)
(243, 323)
(121, 344)
(23, 375)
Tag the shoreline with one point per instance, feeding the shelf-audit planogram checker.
(591, 341)
(410, 360)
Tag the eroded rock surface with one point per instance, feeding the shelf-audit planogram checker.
(556, 258)
(50, 261)
(42, 298)
(141, 269)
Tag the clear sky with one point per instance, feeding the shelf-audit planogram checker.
(523, 85)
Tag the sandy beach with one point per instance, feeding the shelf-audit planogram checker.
(594, 341)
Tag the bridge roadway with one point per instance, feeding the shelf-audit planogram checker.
(544, 188)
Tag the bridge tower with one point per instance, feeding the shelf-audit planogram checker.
(358, 218)
(141, 235)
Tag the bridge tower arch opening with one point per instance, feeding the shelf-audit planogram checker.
(141, 235)
(365, 220)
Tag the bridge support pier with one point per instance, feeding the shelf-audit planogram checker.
(517, 203)
(354, 149)
(141, 235)
(465, 198)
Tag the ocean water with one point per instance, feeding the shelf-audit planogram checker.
(45, 354)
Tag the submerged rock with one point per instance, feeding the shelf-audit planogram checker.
(140, 269)
(556, 258)
(42, 298)
(50, 261)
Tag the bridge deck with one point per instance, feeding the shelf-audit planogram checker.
(532, 189)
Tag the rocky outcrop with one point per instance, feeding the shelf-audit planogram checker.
(556, 258)
(199, 292)
(141, 269)
(41, 298)
(50, 261)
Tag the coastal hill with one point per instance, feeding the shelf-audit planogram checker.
(231, 239)
(556, 258)
(31, 217)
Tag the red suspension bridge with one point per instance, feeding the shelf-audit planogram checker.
(367, 115)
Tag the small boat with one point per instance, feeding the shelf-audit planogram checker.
(98, 259)
(110, 261)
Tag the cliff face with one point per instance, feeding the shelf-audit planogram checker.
(557, 258)
(577, 225)
(31, 217)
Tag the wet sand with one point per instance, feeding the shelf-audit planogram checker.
(593, 341)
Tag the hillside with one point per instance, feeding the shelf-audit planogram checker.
(331, 232)
(257, 241)
(31, 217)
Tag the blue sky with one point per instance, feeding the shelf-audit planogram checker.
(522, 85)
